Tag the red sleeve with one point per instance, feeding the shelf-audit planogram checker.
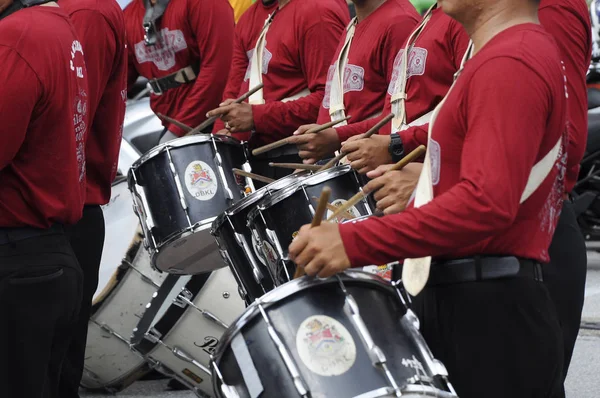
(98, 40)
(317, 47)
(213, 24)
(393, 42)
(21, 90)
(486, 200)
(572, 34)
(239, 65)
(458, 41)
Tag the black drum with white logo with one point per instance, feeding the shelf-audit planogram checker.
(276, 219)
(239, 248)
(179, 188)
(351, 335)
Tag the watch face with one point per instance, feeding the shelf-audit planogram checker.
(398, 151)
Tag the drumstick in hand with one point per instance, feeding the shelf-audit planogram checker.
(316, 221)
(296, 166)
(198, 129)
(285, 141)
(256, 177)
(182, 126)
(368, 134)
(414, 155)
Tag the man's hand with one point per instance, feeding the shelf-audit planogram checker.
(320, 250)
(237, 117)
(223, 132)
(314, 147)
(393, 189)
(366, 154)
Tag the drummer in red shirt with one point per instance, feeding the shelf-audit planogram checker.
(297, 44)
(183, 47)
(101, 31)
(483, 213)
(366, 53)
(437, 48)
(44, 112)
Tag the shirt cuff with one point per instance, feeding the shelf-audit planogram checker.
(351, 238)
(258, 116)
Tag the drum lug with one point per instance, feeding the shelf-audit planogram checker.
(242, 292)
(375, 353)
(227, 390)
(175, 175)
(184, 356)
(249, 182)
(184, 298)
(153, 336)
(285, 354)
(219, 164)
(241, 241)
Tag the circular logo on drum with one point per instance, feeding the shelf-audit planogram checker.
(347, 215)
(325, 346)
(200, 180)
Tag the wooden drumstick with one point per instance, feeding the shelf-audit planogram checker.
(182, 126)
(198, 129)
(316, 221)
(285, 141)
(369, 133)
(296, 166)
(417, 153)
(256, 177)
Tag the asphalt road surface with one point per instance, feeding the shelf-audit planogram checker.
(584, 374)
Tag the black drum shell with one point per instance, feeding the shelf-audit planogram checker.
(155, 178)
(381, 311)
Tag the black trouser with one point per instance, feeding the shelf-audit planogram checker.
(40, 291)
(497, 338)
(260, 165)
(565, 277)
(87, 240)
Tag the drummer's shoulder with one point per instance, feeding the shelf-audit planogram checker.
(323, 11)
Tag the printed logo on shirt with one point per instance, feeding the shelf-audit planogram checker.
(550, 213)
(163, 53)
(265, 61)
(354, 80)
(80, 107)
(325, 346)
(435, 156)
(200, 180)
(75, 49)
(416, 66)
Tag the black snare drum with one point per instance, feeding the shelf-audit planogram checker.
(179, 188)
(351, 335)
(239, 248)
(276, 219)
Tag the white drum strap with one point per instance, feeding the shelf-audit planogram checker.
(399, 96)
(415, 271)
(299, 95)
(337, 110)
(256, 62)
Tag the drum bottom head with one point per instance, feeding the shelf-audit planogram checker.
(190, 253)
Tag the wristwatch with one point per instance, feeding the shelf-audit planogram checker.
(396, 148)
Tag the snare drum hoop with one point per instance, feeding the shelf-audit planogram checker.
(181, 142)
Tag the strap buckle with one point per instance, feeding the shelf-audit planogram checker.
(154, 86)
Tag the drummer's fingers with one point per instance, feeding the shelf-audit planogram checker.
(222, 110)
(299, 243)
(351, 146)
(358, 164)
(309, 161)
(373, 185)
(314, 267)
(386, 202)
(300, 139)
(227, 102)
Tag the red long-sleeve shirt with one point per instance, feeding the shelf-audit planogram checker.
(195, 33)
(436, 56)
(505, 112)
(377, 40)
(300, 43)
(101, 30)
(43, 108)
(569, 22)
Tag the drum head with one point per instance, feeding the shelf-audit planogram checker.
(122, 238)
